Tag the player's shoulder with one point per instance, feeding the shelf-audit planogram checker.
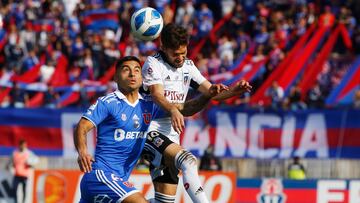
(189, 62)
(109, 98)
(145, 94)
(156, 58)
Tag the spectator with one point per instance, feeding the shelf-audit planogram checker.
(296, 170)
(47, 70)
(356, 103)
(30, 61)
(276, 94)
(295, 99)
(185, 9)
(21, 162)
(19, 97)
(205, 20)
(209, 162)
(314, 97)
(50, 98)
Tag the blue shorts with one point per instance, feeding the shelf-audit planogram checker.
(104, 186)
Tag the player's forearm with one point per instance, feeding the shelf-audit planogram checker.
(160, 100)
(224, 95)
(194, 105)
(80, 138)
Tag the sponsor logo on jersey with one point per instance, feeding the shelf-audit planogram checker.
(168, 78)
(174, 95)
(120, 135)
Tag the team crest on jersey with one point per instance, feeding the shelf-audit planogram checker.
(186, 79)
(147, 117)
(136, 121)
(123, 117)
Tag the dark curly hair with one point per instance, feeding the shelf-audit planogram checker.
(173, 36)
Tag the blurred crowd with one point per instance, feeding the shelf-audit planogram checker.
(39, 32)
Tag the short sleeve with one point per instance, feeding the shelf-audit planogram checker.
(196, 75)
(97, 112)
(151, 72)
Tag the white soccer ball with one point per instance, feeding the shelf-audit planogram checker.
(146, 24)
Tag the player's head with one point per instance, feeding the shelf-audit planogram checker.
(174, 41)
(128, 74)
(22, 145)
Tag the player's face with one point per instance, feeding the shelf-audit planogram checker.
(129, 76)
(176, 57)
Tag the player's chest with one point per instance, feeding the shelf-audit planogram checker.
(178, 80)
(138, 119)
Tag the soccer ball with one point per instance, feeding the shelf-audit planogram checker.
(146, 24)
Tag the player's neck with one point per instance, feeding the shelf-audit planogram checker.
(132, 97)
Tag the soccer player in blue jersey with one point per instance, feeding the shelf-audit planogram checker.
(121, 119)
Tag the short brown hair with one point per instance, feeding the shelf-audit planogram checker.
(173, 36)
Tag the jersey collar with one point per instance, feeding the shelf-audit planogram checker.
(120, 95)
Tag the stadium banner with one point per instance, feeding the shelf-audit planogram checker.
(6, 186)
(52, 186)
(234, 132)
(297, 191)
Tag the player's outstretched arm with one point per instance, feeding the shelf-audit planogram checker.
(84, 158)
(236, 90)
(193, 106)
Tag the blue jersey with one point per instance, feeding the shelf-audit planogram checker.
(121, 131)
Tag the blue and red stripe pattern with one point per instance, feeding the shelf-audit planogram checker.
(98, 19)
(346, 89)
(41, 128)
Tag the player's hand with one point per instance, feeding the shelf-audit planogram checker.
(177, 120)
(216, 89)
(84, 160)
(241, 87)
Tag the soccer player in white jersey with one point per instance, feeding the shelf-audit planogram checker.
(168, 76)
(121, 118)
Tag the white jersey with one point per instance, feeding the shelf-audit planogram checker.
(176, 84)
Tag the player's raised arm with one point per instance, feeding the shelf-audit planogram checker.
(238, 89)
(80, 141)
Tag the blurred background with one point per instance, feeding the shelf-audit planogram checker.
(301, 121)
